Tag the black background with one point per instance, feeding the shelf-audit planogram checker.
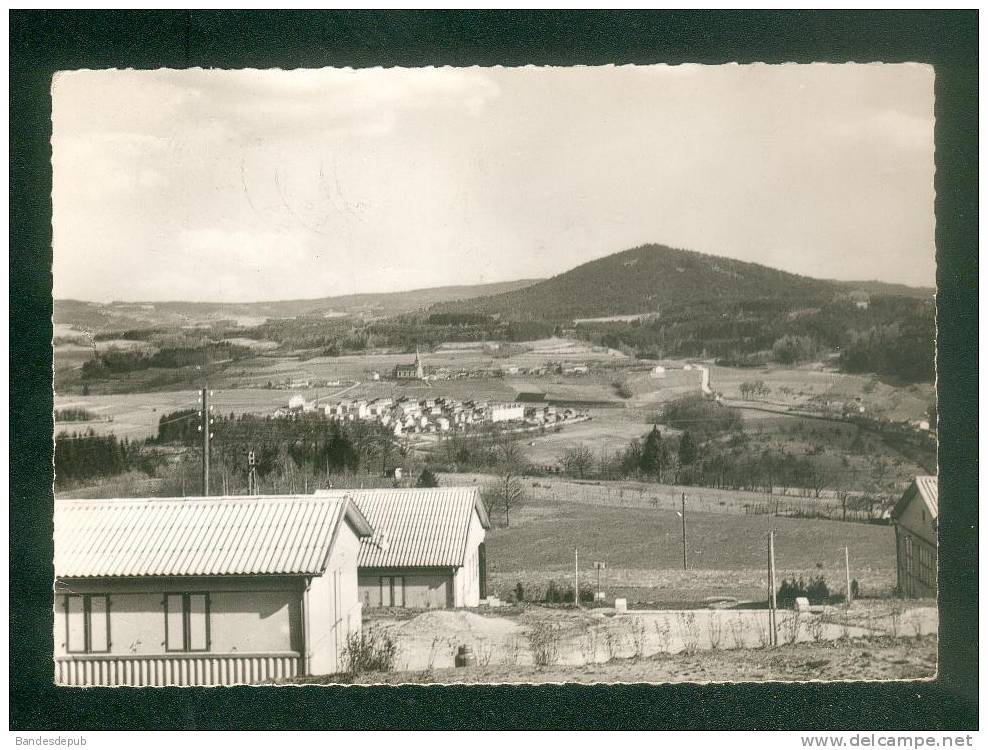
(42, 42)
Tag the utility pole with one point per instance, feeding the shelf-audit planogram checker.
(683, 515)
(251, 473)
(576, 577)
(847, 575)
(204, 428)
(773, 634)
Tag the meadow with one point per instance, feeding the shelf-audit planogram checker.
(797, 386)
(135, 415)
(642, 549)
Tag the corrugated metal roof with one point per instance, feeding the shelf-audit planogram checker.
(927, 488)
(267, 535)
(424, 527)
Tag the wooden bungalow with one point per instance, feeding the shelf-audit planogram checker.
(915, 518)
(427, 550)
(204, 591)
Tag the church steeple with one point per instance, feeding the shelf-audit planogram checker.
(418, 364)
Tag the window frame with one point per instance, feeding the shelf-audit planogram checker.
(186, 645)
(87, 625)
(395, 587)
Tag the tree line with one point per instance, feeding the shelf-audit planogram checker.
(116, 361)
(86, 455)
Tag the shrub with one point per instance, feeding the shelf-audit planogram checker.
(427, 479)
(622, 389)
(369, 651)
(552, 594)
(484, 651)
(761, 630)
(792, 349)
(895, 617)
(519, 592)
(689, 631)
(555, 595)
(816, 591)
(637, 627)
(664, 634)
(588, 645)
(613, 642)
(715, 630)
(512, 651)
(816, 628)
(701, 417)
(737, 628)
(544, 639)
(791, 628)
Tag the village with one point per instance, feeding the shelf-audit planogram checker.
(435, 415)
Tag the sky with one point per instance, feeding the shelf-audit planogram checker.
(214, 185)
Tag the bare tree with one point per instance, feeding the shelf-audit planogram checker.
(508, 490)
(579, 461)
(489, 496)
(817, 479)
(843, 495)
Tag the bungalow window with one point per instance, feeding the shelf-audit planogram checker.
(186, 622)
(392, 591)
(87, 624)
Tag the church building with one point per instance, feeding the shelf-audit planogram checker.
(413, 371)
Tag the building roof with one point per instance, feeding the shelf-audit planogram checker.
(421, 527)
(262, 535)
(927, 488)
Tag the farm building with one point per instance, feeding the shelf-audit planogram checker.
(658, 371)
(915, 518)
(531, 396)
(507, 412)
(427, 550)
(204, 591)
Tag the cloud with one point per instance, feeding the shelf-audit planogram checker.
(263, 184)
(258, 103)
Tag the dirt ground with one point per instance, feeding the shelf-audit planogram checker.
(507, 636)
(872, 658)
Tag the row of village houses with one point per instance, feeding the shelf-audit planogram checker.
(249, 589)
(431, 415)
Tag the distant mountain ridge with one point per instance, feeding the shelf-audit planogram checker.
(641, 280)
(647, 278)
(118, 314)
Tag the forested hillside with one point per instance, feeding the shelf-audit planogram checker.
(742, 314)
(644, 280)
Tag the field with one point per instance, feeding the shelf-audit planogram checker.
(881, 400)
(654, 496)
(846, 454)
(608, 431)
(642, 549)
(136, 415)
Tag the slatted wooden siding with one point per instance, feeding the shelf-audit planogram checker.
(175, 669)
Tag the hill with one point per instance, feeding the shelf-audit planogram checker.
(131, 315)
(885, 289)
(646, 279)
(741, 314)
